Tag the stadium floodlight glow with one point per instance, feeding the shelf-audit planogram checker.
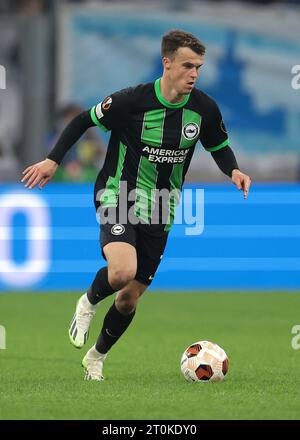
(2, 77)
(38, 233)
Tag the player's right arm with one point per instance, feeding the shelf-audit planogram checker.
(40, 173)
(109, 113)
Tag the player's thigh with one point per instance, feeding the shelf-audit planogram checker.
(118, 247)
(150, 247)
(120, 255)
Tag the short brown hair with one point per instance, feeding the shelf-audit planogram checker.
(176, 38)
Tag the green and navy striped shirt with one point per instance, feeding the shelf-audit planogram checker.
(152, 140)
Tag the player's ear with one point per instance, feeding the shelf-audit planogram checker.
(166, 63)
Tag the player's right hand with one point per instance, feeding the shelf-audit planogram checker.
(39, 173)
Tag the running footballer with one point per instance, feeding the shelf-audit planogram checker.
(154, 129)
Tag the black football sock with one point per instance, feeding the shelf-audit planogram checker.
(114, 326)
(100, 287)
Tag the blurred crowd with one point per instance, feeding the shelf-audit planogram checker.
(84, 160)
(36, 6)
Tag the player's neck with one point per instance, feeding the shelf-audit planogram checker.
(169, 93)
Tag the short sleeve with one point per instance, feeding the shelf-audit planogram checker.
(113, 111)
(213, 134)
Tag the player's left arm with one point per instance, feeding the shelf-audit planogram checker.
(226, 161)
(214, 138)
(242, 181)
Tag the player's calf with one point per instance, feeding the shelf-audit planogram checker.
(100, 287)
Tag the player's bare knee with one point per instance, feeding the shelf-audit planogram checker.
(118, 278)
(126, 303)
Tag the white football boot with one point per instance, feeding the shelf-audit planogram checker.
(93, 364)
(80, 324)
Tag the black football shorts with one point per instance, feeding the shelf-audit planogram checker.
(148, 240)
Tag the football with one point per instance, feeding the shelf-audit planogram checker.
(204, 361)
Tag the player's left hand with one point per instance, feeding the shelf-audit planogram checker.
(241, 181)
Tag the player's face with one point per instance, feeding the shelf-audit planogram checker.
(183, 69)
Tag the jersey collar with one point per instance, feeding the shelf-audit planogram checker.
(163, 101)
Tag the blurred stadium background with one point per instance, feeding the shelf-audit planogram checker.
(58, 57)
(63, 56)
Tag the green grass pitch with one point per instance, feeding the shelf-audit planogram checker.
(42, 377)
